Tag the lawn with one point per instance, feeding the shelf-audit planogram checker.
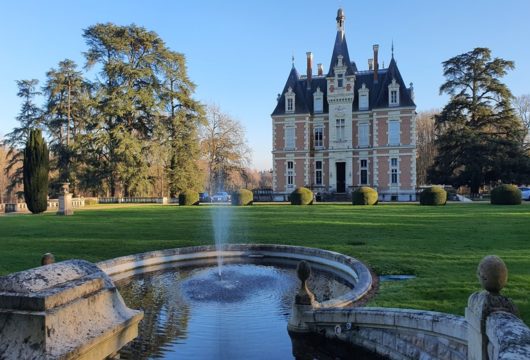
(441, 245)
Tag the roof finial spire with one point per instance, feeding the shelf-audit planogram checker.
(340, 19)
(392, 48)
(292, 60)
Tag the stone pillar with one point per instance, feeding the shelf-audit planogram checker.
(493, 275)
(304, 301)
(65, 202)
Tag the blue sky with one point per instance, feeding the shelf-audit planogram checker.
(239, 53)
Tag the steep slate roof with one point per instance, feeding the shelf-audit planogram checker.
(341, 48)
(378, 92)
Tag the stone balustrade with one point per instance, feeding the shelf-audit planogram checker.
(508, 337)
(133, 200)
(52, 205)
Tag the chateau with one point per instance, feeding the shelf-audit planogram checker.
(348, 128)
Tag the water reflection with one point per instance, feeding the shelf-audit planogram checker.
(192, 314)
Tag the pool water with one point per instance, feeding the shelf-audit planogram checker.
(193, 313)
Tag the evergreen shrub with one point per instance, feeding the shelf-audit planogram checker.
(189, 197)
(36, 167)
(506, 194)
(242, 197)
(433, 196)
(301, 196)
(364, 196)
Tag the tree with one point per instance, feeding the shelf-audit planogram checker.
(182, 120)
(425, 143)
(3, 175)
(129, 58)
(29, 117)
(66, 116)
(224, 147)
(36, 168)
(479, 136)
(522, 107)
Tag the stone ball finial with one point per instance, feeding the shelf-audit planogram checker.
(492, 273)
(303, 270)
(47, 259)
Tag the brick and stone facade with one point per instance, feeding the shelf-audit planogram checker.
(337, 131)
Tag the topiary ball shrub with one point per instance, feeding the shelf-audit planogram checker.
(506, 195)
(188, 197)
(301, 196)
(433, 196)
(364, 195)
(242, 197)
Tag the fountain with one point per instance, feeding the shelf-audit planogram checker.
(221, 220)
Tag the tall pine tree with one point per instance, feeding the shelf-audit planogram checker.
(479, 136)
(36, 168)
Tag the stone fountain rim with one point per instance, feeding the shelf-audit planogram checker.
(350, 268)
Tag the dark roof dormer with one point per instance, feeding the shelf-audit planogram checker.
(293, 85)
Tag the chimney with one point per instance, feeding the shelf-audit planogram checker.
(320, 70)
(370, 64)
(309, 68)
(376, 63)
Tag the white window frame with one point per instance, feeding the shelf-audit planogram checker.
(318, 172)
(393, 89)
(363, 168)
(364, 99)
(318, 101)
(394, 132)
(364, 134)
(394, 171)
(318, 140)
(289, 174)
(340, 129)
(290, 137)
(290, 104)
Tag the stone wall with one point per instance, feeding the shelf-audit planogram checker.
(509, 337)
(395, 333)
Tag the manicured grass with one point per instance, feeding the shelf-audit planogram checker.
(441, 245)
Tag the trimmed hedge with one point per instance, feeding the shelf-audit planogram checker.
(188, 197)
(91, 201)
(506, 195)
(301, 196)
(433, 196)
(242, 197)
(364, 195)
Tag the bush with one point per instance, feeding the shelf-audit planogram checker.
(506, 195)
(188, 197)
(433, 196)
(364, 196)
(91, 201)
(242, 197)
(301, 196)
(35, 169)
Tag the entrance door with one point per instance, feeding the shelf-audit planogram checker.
(341, 177)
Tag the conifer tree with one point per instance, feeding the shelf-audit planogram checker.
(36, 168)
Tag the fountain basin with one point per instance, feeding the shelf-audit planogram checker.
(344, 267)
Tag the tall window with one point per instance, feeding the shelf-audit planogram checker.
(318, 172)
(393, 132)
(340, 130)
(364, 134)
(289, 138)
(290, 173)
(394, 171)
(363, 101)
(319, 137)
(364, 171)
(393, 97)
(290, 104)
(340, 80)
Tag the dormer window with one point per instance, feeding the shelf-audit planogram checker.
(318, 99)
(289, 101)
(393, 93)
(363, 98)
(340, 80)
